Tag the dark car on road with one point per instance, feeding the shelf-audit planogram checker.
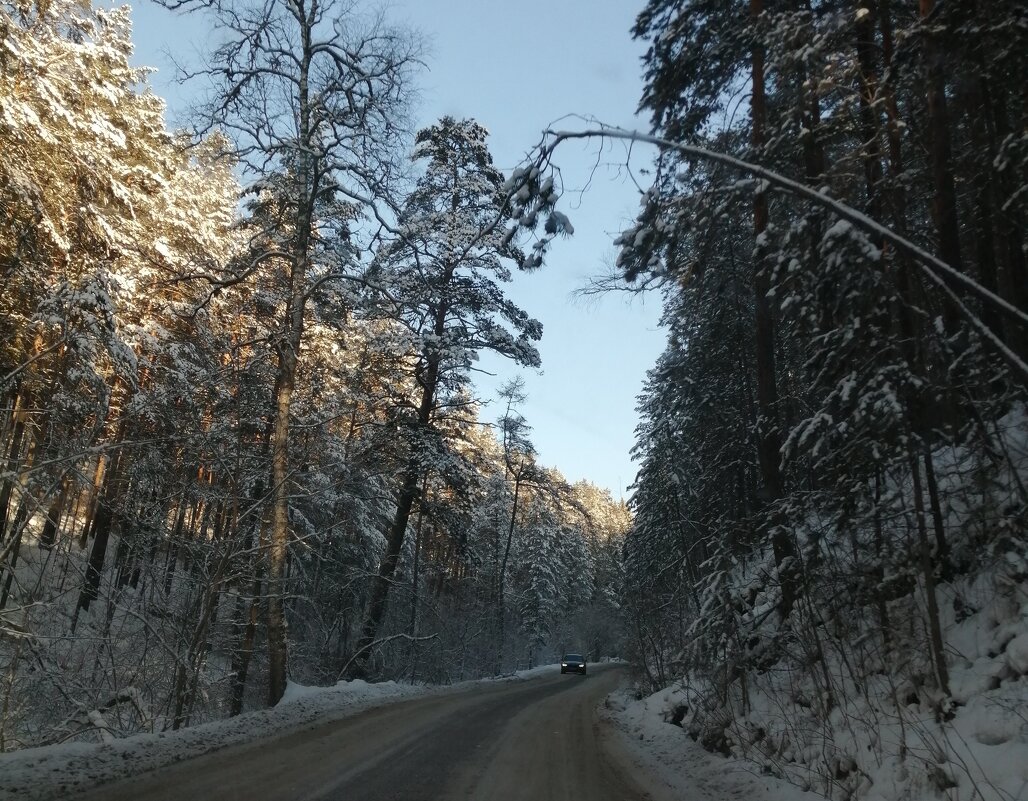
(572, 663)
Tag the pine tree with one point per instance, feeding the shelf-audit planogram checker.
(443, 275)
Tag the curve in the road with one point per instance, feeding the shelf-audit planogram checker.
(537, 739)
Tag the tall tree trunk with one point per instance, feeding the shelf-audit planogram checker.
(809, 111)
(934, 504)
(502, 577)
(935, 641)
(872, 151)
(768, 433)
(387, 567)
(1013, 275)
(308, 188)
(878, 573)
(944, 198)
(413, 625)
(102, 523)
(188, 669)
(13, 463)
(245, 623)
(92, 500)
(984, 233)
(243, 652)
(278, 546)
(176, 538)
(48, 537)
(18, 530)
(247, 611)
(405, 500)
(893, 127)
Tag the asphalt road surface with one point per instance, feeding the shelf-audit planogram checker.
(538, 739)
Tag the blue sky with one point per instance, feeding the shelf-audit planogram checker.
(516, 68)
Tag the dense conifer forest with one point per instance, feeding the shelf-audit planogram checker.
(241, 443)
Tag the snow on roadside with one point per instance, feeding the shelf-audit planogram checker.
(980, 753)
(664, 751)
(54, 771)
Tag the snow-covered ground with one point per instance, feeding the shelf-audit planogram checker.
(39, 774)
(885, 740)
(988, 738)
(660, 751)
(663, 751)
(842, 709)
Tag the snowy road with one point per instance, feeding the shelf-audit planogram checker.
(538, 739)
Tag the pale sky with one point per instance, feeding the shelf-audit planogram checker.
(517, 67)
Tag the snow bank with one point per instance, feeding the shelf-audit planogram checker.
(830, 703)
(42, 773)
(881, 734)
(665, 751)
(36, 774)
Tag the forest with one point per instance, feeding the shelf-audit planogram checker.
(828, 552)
(240, 439)
(241, 443)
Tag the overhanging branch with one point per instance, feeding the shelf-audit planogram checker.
(937, 271)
